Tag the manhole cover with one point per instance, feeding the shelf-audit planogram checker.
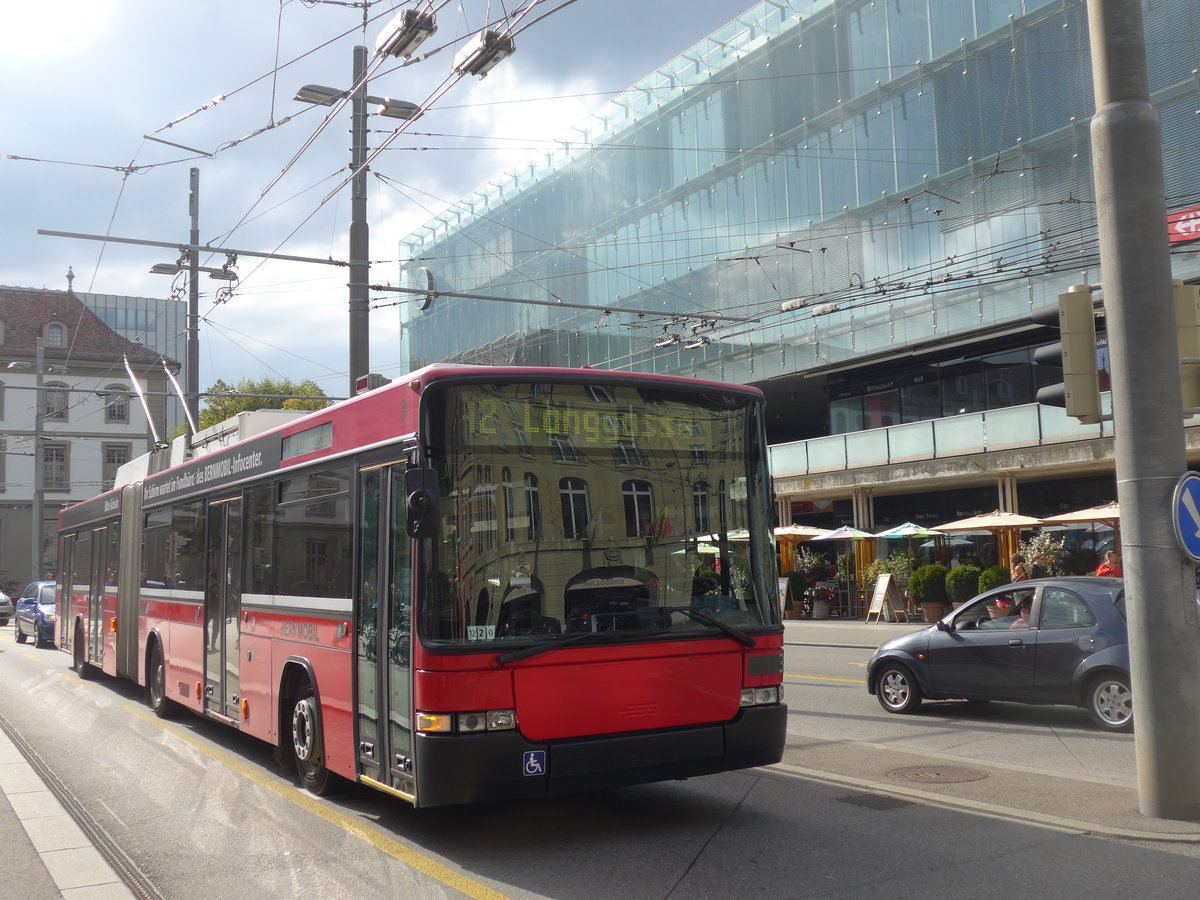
(939, 774)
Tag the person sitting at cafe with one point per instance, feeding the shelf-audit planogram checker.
(1111, 565)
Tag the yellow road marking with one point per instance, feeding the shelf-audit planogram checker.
(823, 678)
(419, 861)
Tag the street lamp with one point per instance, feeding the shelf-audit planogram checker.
(400, 38)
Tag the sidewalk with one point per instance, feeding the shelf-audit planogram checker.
(48, 854)
(1072, 804)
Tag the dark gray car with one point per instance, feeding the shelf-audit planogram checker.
(1071, 648)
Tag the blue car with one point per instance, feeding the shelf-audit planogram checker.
(1051, 640)
(36, 614)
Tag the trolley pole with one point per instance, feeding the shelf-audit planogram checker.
(360, 240)
(192, 389)
(1164, 642)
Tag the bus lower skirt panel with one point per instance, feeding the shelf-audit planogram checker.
(505, 766)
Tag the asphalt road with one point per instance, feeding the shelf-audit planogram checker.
(204, 812)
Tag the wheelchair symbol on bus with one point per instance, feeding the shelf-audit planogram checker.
(534, 762)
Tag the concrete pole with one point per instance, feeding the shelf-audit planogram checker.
(39, 464)
(1147, 412)
(360, 241)
(193, 314)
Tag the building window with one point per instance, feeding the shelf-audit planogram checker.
(639, 510)
(700, 507)
(509, 512)
(573, 492)
(525, 448)
(3, 459)
(115, 456)
(116, 410)
(55, 335)
(533, 508)
(56, 471)
(625, 453)
(562, 449)
(56, 402)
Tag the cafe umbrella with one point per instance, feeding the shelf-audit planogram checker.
(1004, 526)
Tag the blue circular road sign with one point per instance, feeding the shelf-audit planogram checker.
(1185, 512)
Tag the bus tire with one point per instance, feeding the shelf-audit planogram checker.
(307, 745)
(156, 685)
(79, 663)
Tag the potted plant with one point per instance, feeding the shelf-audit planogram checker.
(993, 577)
(962, 584)
(820, 597)
(928, 587)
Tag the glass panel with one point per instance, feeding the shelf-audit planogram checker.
(399, 637)
(367, 624)
(624, 553)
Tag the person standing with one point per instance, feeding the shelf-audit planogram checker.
(1017, 569)
(1111, 565)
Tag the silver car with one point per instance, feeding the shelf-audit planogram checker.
(6, 608)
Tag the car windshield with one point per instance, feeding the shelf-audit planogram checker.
(571, 508)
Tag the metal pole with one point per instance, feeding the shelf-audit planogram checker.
(1164, 642)
(39, 464)
(360, 340)
(193, 314)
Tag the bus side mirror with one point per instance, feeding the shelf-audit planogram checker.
(421, 503)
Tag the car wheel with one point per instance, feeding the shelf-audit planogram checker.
(20, 634)
(307, 746)
(156, 686)
(897, 690)
(1110, 702)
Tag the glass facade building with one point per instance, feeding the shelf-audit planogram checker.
(854, 205)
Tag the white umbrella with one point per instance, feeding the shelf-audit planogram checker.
(1108, 513)
(909, 530)
(993, 521)
(741, 534)
(799, 531)
(845, 533)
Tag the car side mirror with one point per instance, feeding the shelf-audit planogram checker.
(943, 625)
(421, 502)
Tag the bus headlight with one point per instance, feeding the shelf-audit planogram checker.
(468, 722)
(491, 720)
(761, 696)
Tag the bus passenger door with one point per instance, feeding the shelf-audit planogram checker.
(383, 628)
(223, 607)
(95, 613)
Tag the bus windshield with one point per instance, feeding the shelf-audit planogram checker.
(570, 508)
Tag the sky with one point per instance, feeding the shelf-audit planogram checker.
(88, 80)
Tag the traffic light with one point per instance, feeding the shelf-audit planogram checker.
(1187, 333)
(1079, 391)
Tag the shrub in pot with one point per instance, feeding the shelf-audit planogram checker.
(993, 577)
(962, 584)
(930, 590)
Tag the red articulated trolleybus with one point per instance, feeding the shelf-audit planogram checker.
(471, 584)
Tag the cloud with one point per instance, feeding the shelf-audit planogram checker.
(87, 81)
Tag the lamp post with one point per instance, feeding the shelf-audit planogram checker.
(360, 240)
(39, 463)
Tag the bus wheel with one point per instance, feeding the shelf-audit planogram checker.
(306, 744)
(156, 685)
(81, 666)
